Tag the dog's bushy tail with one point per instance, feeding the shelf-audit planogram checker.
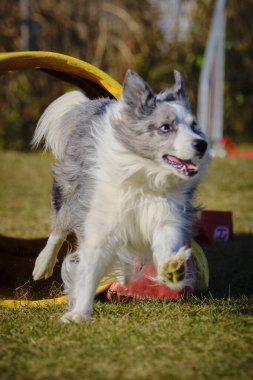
(57, 123)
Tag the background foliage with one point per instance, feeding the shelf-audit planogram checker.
(115, 35)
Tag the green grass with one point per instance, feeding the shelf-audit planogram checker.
(229, 187)
(25, 194)
(200, 339)
(205, 337)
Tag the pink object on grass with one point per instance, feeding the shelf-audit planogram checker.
(145, 287)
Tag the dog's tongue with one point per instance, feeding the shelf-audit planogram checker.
(183, 165)
(174, 159)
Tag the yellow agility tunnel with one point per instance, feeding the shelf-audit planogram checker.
(17, 256)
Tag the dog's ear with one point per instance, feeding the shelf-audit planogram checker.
(179, 86)
(176, 92)
(137, 94)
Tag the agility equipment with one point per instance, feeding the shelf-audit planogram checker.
(89, 78)
(145, 286)
(95, 83)
(215, 226)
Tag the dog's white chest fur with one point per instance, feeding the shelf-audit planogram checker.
(140, 215)
(127, 214)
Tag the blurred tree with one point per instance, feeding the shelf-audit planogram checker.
(187, 54)
(109, 34)
(239, 65)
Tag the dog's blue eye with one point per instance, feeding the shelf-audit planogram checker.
(165, 128)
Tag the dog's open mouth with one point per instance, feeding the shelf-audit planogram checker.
(185, 167)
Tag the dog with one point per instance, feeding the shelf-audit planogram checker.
(124, 183)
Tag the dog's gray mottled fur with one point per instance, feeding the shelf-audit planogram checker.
(123, 183)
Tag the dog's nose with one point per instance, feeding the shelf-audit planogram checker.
(200, 146)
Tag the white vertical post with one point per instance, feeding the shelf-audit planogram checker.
(24, 18)
(211, 84)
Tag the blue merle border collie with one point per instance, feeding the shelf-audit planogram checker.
(124, 181)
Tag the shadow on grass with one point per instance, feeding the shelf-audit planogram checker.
(17, 257)
(230, 263)
(231, 267)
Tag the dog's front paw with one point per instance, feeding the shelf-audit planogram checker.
(173, 271)
(44, 266)
(73, 316)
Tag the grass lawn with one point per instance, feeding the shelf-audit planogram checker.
(205, 337)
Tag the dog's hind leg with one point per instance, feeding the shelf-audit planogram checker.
(124, 266)
(45, 262)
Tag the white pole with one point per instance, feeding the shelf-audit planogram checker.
(211, 84)
(24, 18)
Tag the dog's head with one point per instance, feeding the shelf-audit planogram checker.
(161, 127)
